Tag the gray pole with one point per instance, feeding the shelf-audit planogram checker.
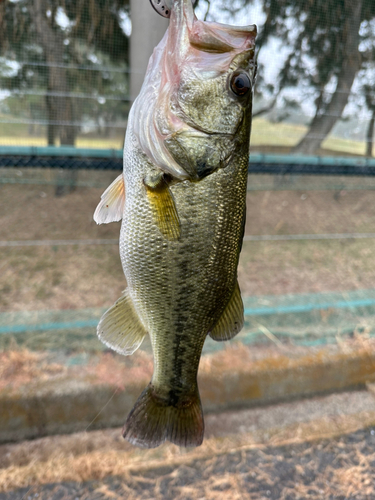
(147, 30)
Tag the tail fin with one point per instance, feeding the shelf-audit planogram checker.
(153, 421)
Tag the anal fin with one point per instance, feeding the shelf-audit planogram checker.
(232, 319)
(120, 327)
(163, 206)
(111, 206)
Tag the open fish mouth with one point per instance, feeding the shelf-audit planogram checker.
(185, 113)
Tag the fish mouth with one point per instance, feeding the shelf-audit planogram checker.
(179, 141)
(186, 30)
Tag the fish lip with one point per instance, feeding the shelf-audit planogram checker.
(197, 132)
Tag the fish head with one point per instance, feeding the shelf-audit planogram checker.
(199, 111)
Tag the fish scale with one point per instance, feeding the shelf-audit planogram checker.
(182, 218)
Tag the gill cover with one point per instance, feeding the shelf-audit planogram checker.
(185, 100)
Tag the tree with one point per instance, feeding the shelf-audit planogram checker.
(327, 46)
(325, 53)
(49, 54)
(348, 61)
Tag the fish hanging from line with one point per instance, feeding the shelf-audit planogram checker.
(182, 201)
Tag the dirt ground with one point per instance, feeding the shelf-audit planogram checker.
(342, 469)
(321, 448)
(333, 460)
(75, 276)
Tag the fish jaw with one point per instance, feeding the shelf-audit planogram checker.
(186, 91)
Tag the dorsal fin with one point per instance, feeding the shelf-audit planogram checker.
(111, 206)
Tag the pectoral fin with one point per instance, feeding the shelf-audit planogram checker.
(163, 206)
(232, 319)
(120, 327)
(111, 206)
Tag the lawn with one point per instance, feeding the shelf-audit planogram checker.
(264, 134)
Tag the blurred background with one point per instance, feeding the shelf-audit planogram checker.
(69, 71)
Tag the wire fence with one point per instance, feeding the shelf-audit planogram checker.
(94, 159)
(68, 75)
(306, 269)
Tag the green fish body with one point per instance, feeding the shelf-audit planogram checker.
(183, 215)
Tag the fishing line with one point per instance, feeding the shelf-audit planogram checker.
(39, 243)
(263, 237)
(107, 403)
(80, 95)
(294, 237)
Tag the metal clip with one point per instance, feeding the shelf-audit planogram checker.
(162, 7)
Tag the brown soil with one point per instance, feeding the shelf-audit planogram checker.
(69, 277)
(323, 449)
(310, 212)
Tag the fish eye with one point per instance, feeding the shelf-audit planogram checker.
(240, 83)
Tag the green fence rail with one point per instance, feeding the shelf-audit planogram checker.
(111, 159)
(304, 319)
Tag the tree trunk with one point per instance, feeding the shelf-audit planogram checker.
(322, 124)
(59, 104)
(52, 118)
(370, 135)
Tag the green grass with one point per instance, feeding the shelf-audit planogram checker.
(344, 145)
(81, 142)
(264, 133)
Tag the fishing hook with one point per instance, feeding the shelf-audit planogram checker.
(162, 7)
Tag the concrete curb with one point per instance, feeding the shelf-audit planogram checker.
(71, 404)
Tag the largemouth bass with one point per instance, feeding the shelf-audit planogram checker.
(182, 202)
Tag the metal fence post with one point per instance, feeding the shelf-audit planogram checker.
(147, 30)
